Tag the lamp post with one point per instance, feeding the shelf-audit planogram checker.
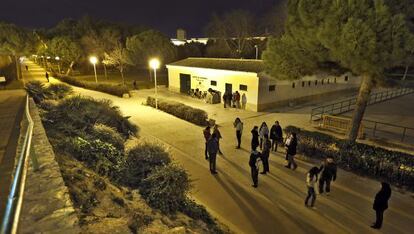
(257, 51)
(94, 61)
(155, 64)
(58, 62)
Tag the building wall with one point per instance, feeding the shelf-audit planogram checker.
(201, 78)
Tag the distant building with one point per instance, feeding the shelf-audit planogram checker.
(182, 38)
(248, 76)
(181, 34)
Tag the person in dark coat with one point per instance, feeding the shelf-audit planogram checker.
(291, 144)
(265, 154)
(47, 76)
(225, 99)
(213, 148)
(238, 125)
(135, 84)
(276, 135)
(255, 137)
(381, 204)
(218, 136)
(207, 135)
(254, 166)
(328, 174)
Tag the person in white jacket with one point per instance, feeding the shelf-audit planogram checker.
(311, 179)
(238, 125)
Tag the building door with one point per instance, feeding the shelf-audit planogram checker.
(185, 83)
(229, 88)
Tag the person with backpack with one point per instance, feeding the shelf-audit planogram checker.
(276, 135)
(381, 204)
(207, 136)
(290, 145)
(264, 130)
(328, 169)
(311, 179)
(238, 125)
(255, 137)
(213, 148)
(265, 154)
(254, 166)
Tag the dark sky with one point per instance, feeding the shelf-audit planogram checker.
(166, 15)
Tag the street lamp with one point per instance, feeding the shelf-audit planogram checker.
(57, 59)
(94, 61)
(155, 64)
(257, 51)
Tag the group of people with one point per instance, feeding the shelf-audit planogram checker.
(234, 100)
(269, 140)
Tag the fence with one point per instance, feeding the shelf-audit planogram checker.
(377, 129)
(11, 215)
(349, 104)
(341, 124)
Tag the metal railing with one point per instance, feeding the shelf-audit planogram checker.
(349, 104)
(11, 216)
(386, 130)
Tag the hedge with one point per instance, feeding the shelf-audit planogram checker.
(193, 115)
(117, 90)
(379, 163)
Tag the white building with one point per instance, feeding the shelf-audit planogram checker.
(247, 76)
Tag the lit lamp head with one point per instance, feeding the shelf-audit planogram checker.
(57, 58)
(154, 63)
(93, 60)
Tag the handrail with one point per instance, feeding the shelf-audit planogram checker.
(11, 216)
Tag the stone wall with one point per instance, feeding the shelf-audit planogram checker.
(47, 207)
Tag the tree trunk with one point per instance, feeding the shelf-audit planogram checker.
(361, 104)
(106, 75)
(122, 74)
(405, 73)
(16, 60)
(70, 68)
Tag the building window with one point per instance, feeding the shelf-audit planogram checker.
(346, 78)
(303, 83)
(213, 83)
(293, 85)
(272, 88)
(316, 82)
(243, 87)
(309, 83)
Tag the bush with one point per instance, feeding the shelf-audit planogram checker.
(392, 166)
(199, 212)
(83, 113)
(117, 90)
(142, 160)
(166, 188)
(181, 111)
(36, 90)
(109, 135)
(58, 91)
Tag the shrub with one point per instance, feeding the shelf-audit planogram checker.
(142, 160)
(108, 134)
(83, 113)
(181, 111)
(166, 188)
(199, 212)
(117, 90)
(48, 105)
(376, 162)
(58, 91)
(36, 90)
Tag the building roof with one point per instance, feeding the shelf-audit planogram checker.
(245, 65)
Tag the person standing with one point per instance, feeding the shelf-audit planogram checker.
(237, 100)
(254, 166)
(381, 204)
(207, 136)
(291, 144)
(244, 101)
(27, 68)
(328, 169)
(255, 137)
(213, 148)
(265, 154)
(311, 179)
(218, 136)
(238, 125)
(225, 99)
(264, 130)
(233, 100)
(47, 76)
(276, 135)
(135, 84)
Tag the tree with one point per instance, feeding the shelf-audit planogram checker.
(234, 28)
(192, 49)
(219, 48)
(148, 44)
(118, 58)
(363, 36)
(67, 49)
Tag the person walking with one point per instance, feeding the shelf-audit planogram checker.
(207, 136)
(381, 204)
(265, 154)
(238, 125)
(237, 100)
(47, 76)
(255, 137)
(218, 136)
(291, 144)
(328, 169)
(264, 130)
(254, 166)
(244, 101)
(311, 179)
(27, 68)
(233, 100)
(135, 84)
(276, 135)
(213, 148)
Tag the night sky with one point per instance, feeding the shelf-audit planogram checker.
(166, 15)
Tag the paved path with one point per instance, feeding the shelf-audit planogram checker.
(277, 205)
